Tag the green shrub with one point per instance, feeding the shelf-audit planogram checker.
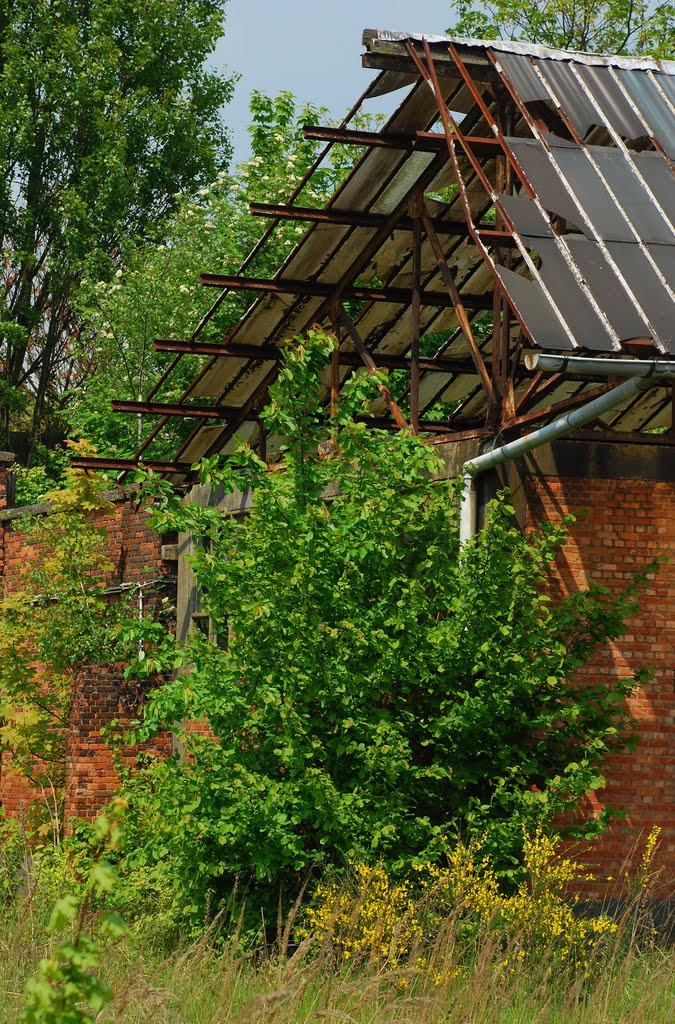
(371, 694)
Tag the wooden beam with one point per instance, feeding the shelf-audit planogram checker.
(287, 286)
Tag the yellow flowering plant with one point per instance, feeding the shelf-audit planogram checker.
(367, 916)
(371, 916)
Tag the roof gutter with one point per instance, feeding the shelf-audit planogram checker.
(642, 375)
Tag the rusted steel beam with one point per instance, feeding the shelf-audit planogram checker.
(558, 407)
(287, 286)
(368, 361)
(428, 364)
(541, 386)
(206, 412)
(453, 136)
(460, 310)
(426, 142)
(122, 465)
(626, 436)
(343, 287)
(294, 195)
(360, 219)
(485, 110)
(531, 389)
(249, 409)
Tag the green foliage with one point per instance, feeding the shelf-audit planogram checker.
(106, 111)
(33, 482)
(12, 851)
(611, 26)
(66, 990)
(58, 619)
(370, 693)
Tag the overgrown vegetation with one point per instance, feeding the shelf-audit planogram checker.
(364, 947)
(370, 694)
(366, 825)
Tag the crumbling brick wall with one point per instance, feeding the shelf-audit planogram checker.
(101, 695)
(139, 557)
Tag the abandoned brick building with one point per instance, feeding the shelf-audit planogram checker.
(507, 239)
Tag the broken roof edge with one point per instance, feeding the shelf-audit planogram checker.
(667, 67)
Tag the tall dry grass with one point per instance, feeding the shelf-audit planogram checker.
(477, 975)
(209, 981)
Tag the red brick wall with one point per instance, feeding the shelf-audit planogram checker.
(626, 525)
(100, 694)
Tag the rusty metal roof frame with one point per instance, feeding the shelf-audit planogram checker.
(531, 184)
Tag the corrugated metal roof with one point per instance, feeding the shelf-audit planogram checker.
(581, 180)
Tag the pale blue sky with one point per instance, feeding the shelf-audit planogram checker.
(310, 47)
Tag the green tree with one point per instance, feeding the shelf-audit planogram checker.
(371, 693)
(106, 112)
(610, 26)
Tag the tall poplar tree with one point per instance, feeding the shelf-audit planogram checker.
(107, 111)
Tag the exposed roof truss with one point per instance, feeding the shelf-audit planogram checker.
(517, 197)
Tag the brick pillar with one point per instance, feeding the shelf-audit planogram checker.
(6, 480)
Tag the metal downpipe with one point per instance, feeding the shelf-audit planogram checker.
(558, 428)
